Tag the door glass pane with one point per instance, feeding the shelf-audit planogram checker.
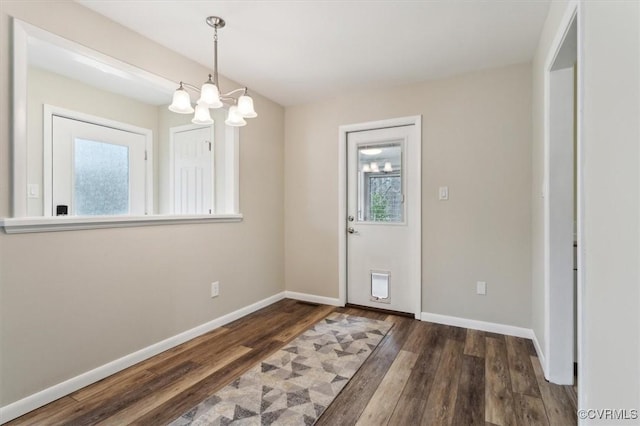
(380, 183)
(101, 178)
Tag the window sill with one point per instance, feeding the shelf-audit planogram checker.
(73, 223)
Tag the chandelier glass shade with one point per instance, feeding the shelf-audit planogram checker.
(240, 107)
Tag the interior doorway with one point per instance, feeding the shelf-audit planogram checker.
(562, 237)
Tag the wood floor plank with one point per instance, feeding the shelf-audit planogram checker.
(474, 343)
(119, 402)
(437, 336)
(301, 325)
(283, 307)
(177, 353)
(180, 403)
(496, 336)
(159, 397)
(417, 340)
(573, 395)
(499, 406)
(350, 403)
(444, 390)
(531, 347)
(413, 400)
(382, 403)
(371, 314)
(523, 378)
(558, 405)
(54, 413)
(114, 384)
(530, 410)
(456, 333)
(469, 408)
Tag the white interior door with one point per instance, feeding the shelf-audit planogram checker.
(96, 170)
(192, 158)
(383, 259)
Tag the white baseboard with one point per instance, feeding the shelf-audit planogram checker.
(23, 406)
(492, 327)
(543, 360)
(313, 298)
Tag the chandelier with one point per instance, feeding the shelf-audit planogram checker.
(210, 96)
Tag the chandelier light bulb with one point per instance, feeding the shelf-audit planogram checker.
(366, 168)
(387, 167)
(374, 167)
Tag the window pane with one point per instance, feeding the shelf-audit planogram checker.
(101, 179)
(380, 196)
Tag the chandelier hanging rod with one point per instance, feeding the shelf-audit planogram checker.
(210, 94)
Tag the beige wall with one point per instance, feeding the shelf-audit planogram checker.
(476, 140)
(612, 205)
(72, 301)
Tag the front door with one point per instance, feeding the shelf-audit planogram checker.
(382, 223)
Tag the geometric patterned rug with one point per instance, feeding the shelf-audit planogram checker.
(297, 383)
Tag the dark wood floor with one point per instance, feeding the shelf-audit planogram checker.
(421, 373)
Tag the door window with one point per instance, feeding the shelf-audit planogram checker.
(380, 195)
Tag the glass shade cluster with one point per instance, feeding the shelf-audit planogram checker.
(375, 168)
(210, 98)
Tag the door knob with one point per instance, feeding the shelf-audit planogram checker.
(351, 230)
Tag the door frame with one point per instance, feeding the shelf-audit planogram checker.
(414, 192)
(555, 358)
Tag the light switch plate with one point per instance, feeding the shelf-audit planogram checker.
(443, 193)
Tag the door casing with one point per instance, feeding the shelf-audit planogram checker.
(557, 356)
(415, 192)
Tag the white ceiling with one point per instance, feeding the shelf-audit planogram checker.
(301, 51)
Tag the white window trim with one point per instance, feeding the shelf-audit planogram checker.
(49, 111)
(21, 225)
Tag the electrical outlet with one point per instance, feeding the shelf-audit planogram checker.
(481, 288)
(215, 289)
